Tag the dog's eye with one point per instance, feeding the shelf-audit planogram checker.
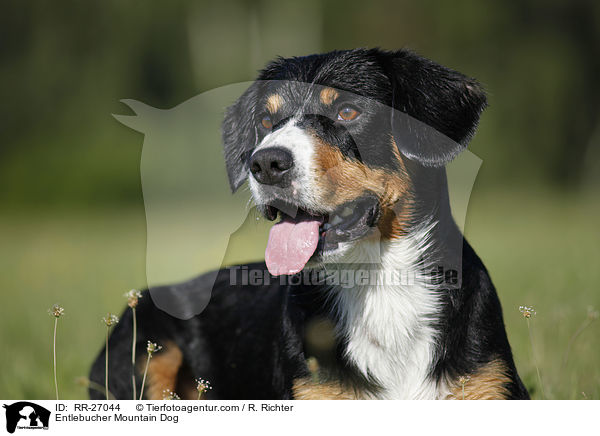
(347, 113)
(267, 122)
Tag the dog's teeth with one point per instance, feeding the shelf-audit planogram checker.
(335, 220)
(347, 211)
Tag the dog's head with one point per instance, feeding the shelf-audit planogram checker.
(337, 144)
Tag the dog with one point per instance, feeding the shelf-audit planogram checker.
(349, 149)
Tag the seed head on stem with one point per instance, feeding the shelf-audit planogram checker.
(202, 386)
(528, 313)
(133, 297)
(151, 348)
(55, 311)
(463, 380)
(110, 320)
(170, 395)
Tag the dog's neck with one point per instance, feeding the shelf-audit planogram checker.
(388, 321)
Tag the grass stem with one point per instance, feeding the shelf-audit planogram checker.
(56, 311)
(109, 320)
(580, 330)
(145, 373)
(133, 342)
(537, 368)
(87, 383)
(54, 356)
(151, 349)
(106, 365)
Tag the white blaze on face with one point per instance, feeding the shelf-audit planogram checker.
(301, 145)
(292, 242)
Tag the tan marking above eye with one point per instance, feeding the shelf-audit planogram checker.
(274, 103)
(328, 96)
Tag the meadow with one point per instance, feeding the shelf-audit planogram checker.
(541, 248)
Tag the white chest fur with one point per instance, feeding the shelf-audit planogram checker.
(387, 322)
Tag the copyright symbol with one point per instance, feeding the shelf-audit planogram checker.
(139, 407)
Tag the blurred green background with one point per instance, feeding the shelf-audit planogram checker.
(72, 224)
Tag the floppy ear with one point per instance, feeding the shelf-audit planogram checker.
(239, 137)
(436, 110)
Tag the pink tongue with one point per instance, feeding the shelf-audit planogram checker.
(290, 246)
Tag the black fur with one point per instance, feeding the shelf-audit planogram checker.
(250, 340)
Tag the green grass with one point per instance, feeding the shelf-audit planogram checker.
(541, 249)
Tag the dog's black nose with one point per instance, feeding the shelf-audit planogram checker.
(269, 165)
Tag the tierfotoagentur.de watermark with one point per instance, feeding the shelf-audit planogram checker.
(346, 277)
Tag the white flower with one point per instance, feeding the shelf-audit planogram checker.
(56, 311)
(202, 385)
(170, 395)
(152, 348)
(110, 319)
(132, 297)
(527, 312)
